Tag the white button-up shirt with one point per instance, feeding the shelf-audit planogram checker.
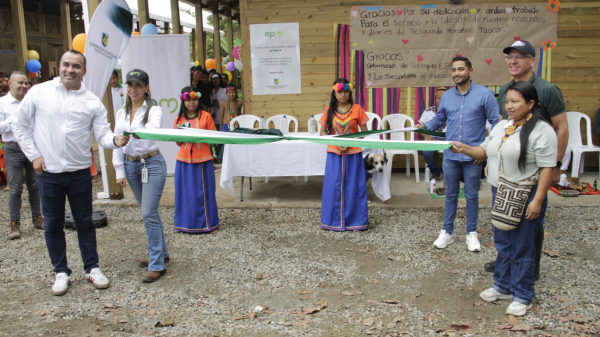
(8, 106)
(135, 147)
(57, 124)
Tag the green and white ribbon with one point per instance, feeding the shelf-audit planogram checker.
(216, 137)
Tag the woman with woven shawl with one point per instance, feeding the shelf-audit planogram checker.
(526, 144)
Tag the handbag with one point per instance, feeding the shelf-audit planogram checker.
(511, 198)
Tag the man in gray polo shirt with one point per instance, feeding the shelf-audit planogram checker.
(520, 58)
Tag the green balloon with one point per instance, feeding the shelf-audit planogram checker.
(237, 42)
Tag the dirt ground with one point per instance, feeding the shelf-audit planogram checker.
(273, 272)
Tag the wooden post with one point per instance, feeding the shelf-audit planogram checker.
(65, 20)
(115, 191)
(167, 31)
(200, 36)
(247, 73)
(193, 44)
(18, 17)
(205, 45)
(217, 39)
(143, 13)
(175, 17)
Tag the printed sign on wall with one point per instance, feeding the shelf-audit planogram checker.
(409, 46)
(275, 55)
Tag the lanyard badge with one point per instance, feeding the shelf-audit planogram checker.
(144, 173)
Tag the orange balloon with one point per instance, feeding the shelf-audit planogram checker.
(210, 64)
(79, 42)
(32, 75)
(136, 33)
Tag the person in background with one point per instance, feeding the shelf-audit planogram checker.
(597, 122)
(53, 126)
(344, 200)
(520, 59)
(231, 107)
(200, 84)
(195, 188)
(19, 167)
(226, 80)
(218, 95)
(4, 89)
(142, 166)
(116, 89)
(527, 144)
(430, 156)
(464, 109)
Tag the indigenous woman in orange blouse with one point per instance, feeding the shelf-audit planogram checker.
(344, 200)
(195, 200)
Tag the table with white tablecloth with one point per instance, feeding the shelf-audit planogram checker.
(285, 158)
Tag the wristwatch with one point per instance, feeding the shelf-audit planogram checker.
(559, 164)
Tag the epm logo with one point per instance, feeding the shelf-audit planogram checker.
(104, 39)
(271, 35)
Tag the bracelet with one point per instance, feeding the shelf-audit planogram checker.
(114, 138)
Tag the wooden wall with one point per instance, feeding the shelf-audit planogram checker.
(575, 61)
(44, 33)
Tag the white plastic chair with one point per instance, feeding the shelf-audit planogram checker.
(277, 119)
(317, 119)
(398, 121)
(244, 121)
(373, 117)
(576, 142)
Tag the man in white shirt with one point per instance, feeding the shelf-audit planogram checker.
(54, 125)
(16, 161)
(118, 95)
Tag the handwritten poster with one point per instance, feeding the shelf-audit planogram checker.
(275, 55)
(409, 46)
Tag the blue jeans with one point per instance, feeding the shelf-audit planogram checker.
(452, 172)
(77, 187)
(429, 157)
(148, 196)
(515, 264)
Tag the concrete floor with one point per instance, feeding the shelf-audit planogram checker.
(283, 192)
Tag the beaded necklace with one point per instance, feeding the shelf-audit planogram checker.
(344, 112)
(513, 128)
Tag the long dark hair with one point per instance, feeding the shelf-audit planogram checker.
(528, 92)
(221, 84)
(333, 105)
(182, 108)
(149, 105)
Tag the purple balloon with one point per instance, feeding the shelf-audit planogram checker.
(230, 67)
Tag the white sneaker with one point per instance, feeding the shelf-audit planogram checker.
(518, 309)
(61, 284)
(472, 242)
(97, 278)
(490, 295)
(443, 240)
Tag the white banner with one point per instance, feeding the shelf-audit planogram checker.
(275, 55)
(107, 37)
(166, 59)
